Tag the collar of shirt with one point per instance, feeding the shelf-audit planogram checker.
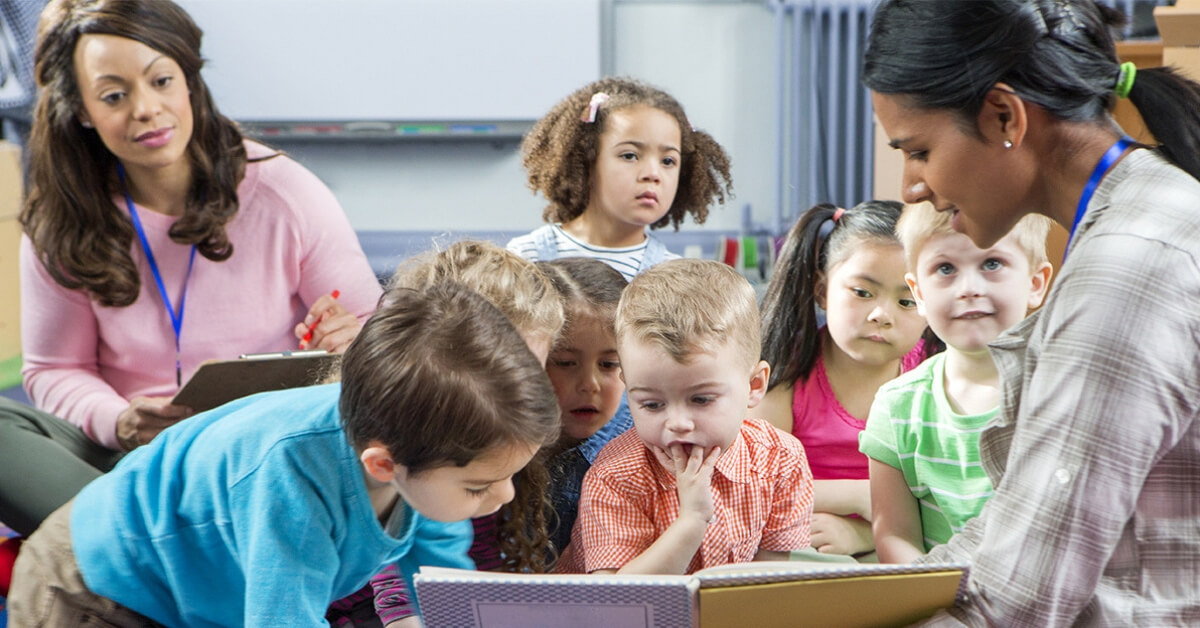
(591, 447)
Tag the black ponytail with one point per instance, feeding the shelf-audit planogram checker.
(789, 314)
(1170, 106)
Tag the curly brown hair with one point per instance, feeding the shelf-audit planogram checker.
(561, 148)
(80, 238)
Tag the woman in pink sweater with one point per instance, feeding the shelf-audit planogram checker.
(155, 238)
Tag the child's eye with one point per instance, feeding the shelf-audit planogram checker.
(993, 264)
(628, 156)
(652, 406)
(917, 155)
(563, 363)
(703, 400)
(860, 293)
(610, 365)
(670, 161)
(476, 492)
(945, 268)
(908, 304)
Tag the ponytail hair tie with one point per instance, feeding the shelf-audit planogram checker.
(827, 227)
(1125, 79)
(589, 114)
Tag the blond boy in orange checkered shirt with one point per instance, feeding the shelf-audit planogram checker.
(695, 484)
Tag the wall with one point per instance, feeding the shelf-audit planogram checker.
(717, 58)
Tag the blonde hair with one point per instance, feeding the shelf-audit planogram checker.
(920, 221)
(688, 306)
(511, 283)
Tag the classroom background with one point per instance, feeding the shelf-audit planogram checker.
(412, 111)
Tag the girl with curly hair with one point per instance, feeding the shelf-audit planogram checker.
(615, 157)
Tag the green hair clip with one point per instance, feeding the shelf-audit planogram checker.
(1125, 79)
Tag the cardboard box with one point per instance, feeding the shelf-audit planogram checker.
(10, 240)
(1179, 27)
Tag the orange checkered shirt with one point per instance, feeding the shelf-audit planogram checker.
(762, 499)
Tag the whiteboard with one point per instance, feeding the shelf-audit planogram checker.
(405, 60)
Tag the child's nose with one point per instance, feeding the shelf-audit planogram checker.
(679, 422)
(651, 170)
(504, 492)
(880, 315)
(969, 285)
(590, 380)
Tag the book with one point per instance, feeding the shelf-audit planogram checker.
(219, 382)
(761, 594)
(486, 599)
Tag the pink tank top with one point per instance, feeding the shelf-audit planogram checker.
(828, 432)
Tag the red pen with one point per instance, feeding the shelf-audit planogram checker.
(308, 337)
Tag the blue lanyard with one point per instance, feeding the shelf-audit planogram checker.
(1110, 157)
(176, 317)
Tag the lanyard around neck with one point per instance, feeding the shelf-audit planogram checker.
(1110, 157)
(176, 317)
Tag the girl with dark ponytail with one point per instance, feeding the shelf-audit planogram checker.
(1001, 108)
(849, 265)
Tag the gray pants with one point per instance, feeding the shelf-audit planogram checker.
(44, 462)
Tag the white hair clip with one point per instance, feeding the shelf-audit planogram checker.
(589, 115)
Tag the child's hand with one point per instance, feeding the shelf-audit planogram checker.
(835, 534)
(693, 477)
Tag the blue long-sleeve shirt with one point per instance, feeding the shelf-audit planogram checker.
(255, 514)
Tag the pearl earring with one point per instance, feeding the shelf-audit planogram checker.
(1008, 144)
(85, 124)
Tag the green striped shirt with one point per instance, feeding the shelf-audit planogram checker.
(913, 428)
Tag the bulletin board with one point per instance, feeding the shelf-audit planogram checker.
(396, 60)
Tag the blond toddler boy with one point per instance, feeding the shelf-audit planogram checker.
(695, 484)
(922, 434)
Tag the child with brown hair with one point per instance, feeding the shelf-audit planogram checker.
(516, 538)
(613, 158)
(238, 517)
(585, 369)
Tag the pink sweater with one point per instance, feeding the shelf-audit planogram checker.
(292, 244)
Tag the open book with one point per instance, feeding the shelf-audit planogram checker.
(761, 594)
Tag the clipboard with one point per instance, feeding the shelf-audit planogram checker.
(217, 383)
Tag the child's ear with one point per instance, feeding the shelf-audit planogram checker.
(1040, 284)
(759, 378)
(911, 280)
(377, 461)
(819, 290)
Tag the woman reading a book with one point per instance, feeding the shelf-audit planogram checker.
(1001, 108)
(155, 238)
